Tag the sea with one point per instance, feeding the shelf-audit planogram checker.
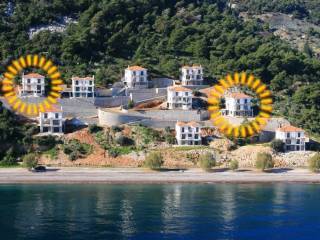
(159, 211)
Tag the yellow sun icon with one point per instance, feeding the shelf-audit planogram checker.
(33, 61)
(255, 85)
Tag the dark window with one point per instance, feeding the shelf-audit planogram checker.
(46, 115)
(57, 115)
(77, 82)
(288, 135)
(28, 80)
(183, 136)
(182, 129)
(299, 134)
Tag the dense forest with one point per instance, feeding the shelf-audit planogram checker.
(162, 35)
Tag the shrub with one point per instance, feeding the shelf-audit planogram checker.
(124, 141)
(75, 149)
(277, 145)
(73, 156)
(207, 161)
(46, 142)
(9, 158)
(114, 152)
(94, 128)
(116, 129)
(264, 161)
(170, 139)
(154, 160)
(30, 160)
(314, 163)
(234, 165)
(130, 104)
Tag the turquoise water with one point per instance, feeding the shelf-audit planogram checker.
(191, 211)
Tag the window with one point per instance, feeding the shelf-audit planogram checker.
(189, 135)
(134, 73)
(28, 80)
(90, 89)
(299, 134)
(288, 135)
(197, 129)
(183, 136)
(39, 81)
(77, 89)
(238, 101)
(196, 136)
(189, 129)
(182, 129)
(90, 82)
(46, 115)
(57, 115)
(77, 82)
(298, 141)
(245, 101)
(142, 73)
(177, 94)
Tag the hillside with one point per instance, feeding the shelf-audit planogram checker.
(105, 36)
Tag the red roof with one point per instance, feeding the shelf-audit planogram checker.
(54, 108)
(193, 66)
(178, 88)
(238, 95)
(82, 78)
(190, 124)
(135, 68)
(290, 128)
(33, 75)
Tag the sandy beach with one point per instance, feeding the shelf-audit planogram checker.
(136, 175)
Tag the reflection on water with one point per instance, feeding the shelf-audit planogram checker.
(191, 211)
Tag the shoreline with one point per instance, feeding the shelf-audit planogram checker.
(76, 175)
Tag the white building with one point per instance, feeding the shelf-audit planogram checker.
(188, 133)
(179, 97)
(135, 77)
(192, 75)
(33, 84)
(237, 104)
(51, 121)
(83, 87)
(294, 138)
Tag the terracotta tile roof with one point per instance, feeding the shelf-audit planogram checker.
(82, 78)
(33, 75)
(290, 128)
(136, 68)
(192, 66)
(54, 108)
(238, 95)
(178, 88)
(189, 124)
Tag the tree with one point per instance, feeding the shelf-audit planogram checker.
(130, 104)
(154, 160)
(264, 161)
(94, 128)
(30, 160)
(277, 145)
(314, 163)
(207, 161)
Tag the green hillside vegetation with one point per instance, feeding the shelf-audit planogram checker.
(162, 35)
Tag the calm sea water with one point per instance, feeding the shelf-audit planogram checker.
(191, 211)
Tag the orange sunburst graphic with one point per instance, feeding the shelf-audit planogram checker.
(17, 66)
(265, 107)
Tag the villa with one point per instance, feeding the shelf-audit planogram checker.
(179, 97)
(33, 84)
(51, 121)
(83, 87)
(192, 75)
(135, 77)
(293, 138)
(237, 104)
(188, 133)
